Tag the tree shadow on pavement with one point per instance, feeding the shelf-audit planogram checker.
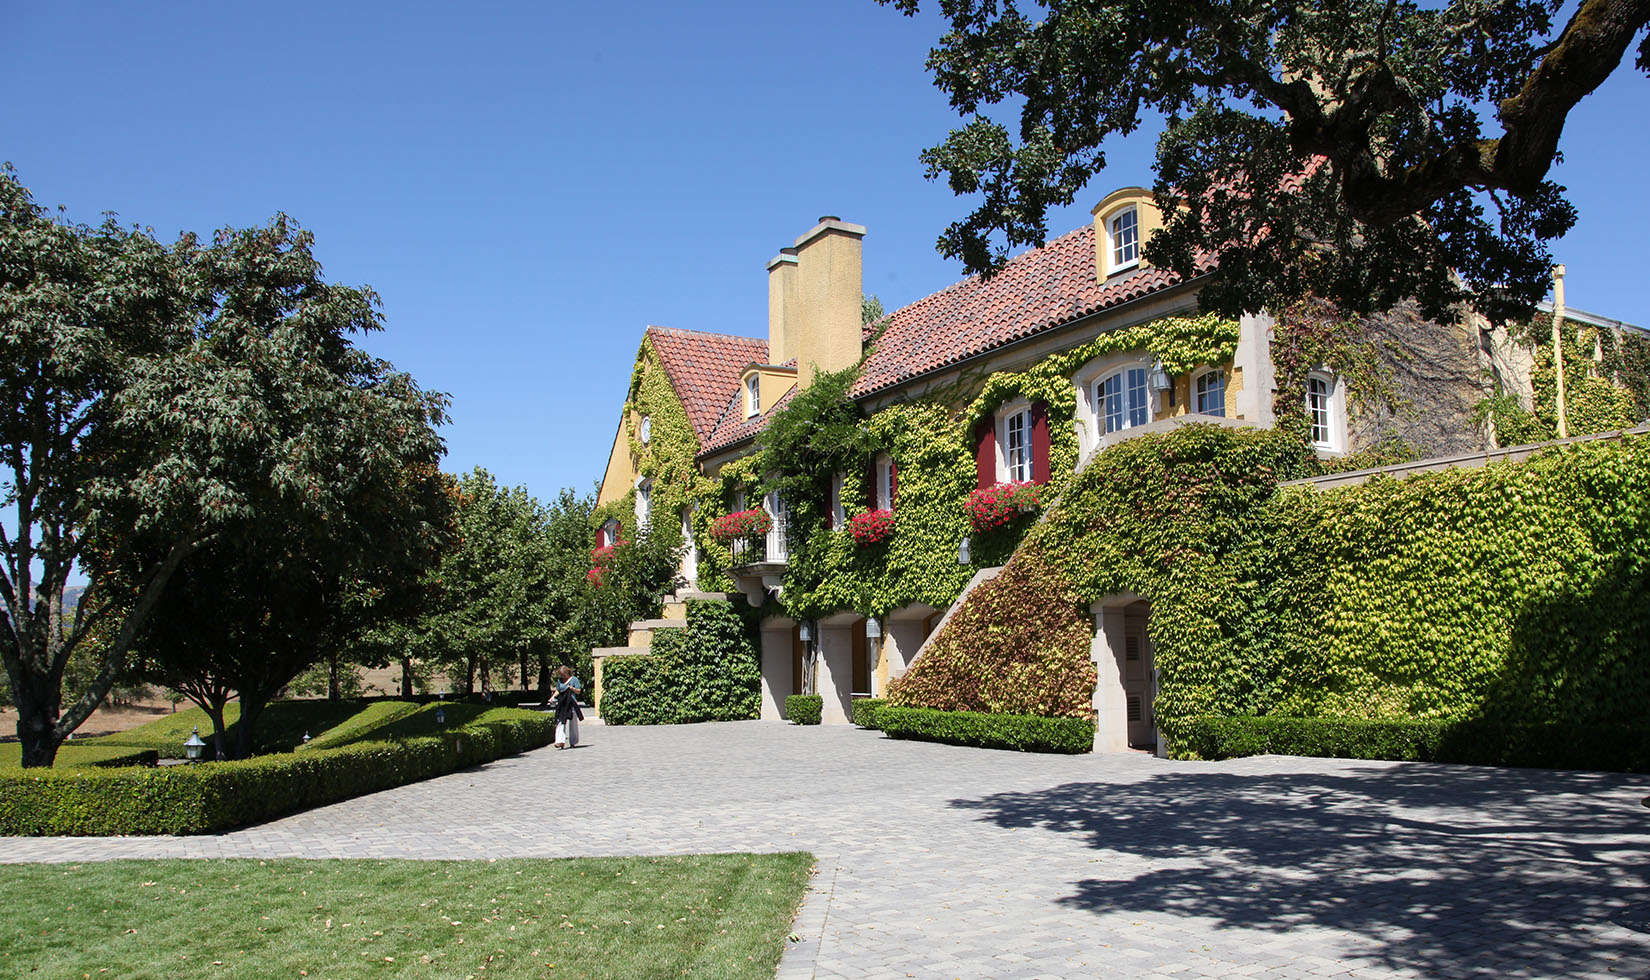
(1443, 870)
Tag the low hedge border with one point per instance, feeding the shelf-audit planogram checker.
(218, 796)
(1616, 748)
(1023, 733)
(865, 712)
(804, 709)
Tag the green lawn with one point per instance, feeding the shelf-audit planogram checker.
(719, 917)
(80, 752)
(284, 724)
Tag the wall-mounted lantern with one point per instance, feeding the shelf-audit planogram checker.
(1160, 377)
(965, 554)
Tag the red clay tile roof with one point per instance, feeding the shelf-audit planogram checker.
(1042, 288)
(736, 428)
(1036, 291)
(704, 369)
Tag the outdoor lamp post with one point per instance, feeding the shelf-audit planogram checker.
(306, 738)
(805, 633)
(965, 555)
(192, 747)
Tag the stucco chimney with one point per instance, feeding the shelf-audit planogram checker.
(781, 306)
(823, 328)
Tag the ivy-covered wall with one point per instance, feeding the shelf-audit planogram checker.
(932, 442)
(1606, 382)
(1515, 592)
(706, 671)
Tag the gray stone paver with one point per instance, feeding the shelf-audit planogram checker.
(940, 862)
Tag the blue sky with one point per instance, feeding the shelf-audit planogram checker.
(529, 185)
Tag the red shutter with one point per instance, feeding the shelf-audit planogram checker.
(1039, 442)
(985, 451)
(893, 483)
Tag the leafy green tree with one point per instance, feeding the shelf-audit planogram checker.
(156, 402)
(486, 600)
(1360, 151)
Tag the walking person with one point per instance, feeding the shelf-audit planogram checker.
(568, 712)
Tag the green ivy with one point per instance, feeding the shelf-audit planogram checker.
(1512, 593)
(708, 670)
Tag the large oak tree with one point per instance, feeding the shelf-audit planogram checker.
(160, 401)
(1363, 151)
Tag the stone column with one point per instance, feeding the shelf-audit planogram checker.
(1111, 704)
(777, 682)
(836, 673)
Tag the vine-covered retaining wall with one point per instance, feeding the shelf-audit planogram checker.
(706, 671)
(1511, 593)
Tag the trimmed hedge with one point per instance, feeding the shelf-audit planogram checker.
(221, 795)
(1618, 748)
(804, 709)
(709, 670)
(1023, 733)
(865, 712)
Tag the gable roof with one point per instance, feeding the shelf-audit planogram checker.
(703, 369)
(1035, 291)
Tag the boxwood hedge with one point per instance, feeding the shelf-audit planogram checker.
(865, 712)
(221, 795)
(1024, 733)
(804, 709)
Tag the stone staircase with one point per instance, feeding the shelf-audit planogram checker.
(672, 616)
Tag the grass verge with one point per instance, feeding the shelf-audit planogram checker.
(711, 917)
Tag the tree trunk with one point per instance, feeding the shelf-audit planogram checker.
(252, 707)
(214, 711)
(406, 676)
(524, 668)
(37, 710)
(470, 676)
(544, 676)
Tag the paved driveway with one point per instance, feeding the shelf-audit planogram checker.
(945, 862)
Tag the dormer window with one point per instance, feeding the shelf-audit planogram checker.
(1123, 238)
(753, 396)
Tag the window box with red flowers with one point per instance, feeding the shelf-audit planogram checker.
(741, 525)
(601, 558)
(998, 505)
(871, 527)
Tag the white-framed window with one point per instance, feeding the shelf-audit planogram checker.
(839, 516)
(1209, 393)
(1123, 238)
(1014, 443)
(1122, 400)
(608, 535)
(644, 429)
(753, 395)
(690, 550)
(644, 502)
(883, 492)
(1325, 412)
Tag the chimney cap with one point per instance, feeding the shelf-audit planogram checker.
(787, 251)
(828, 217)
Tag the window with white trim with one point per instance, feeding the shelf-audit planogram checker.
(1325, 414)
(753, 395)
(644, 502)
(1209, 393)
(608, 535)
(1015, 427)
(1123, 238)
(1121, 400)
(884, 492)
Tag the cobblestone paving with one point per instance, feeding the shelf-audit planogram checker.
(944, 862)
